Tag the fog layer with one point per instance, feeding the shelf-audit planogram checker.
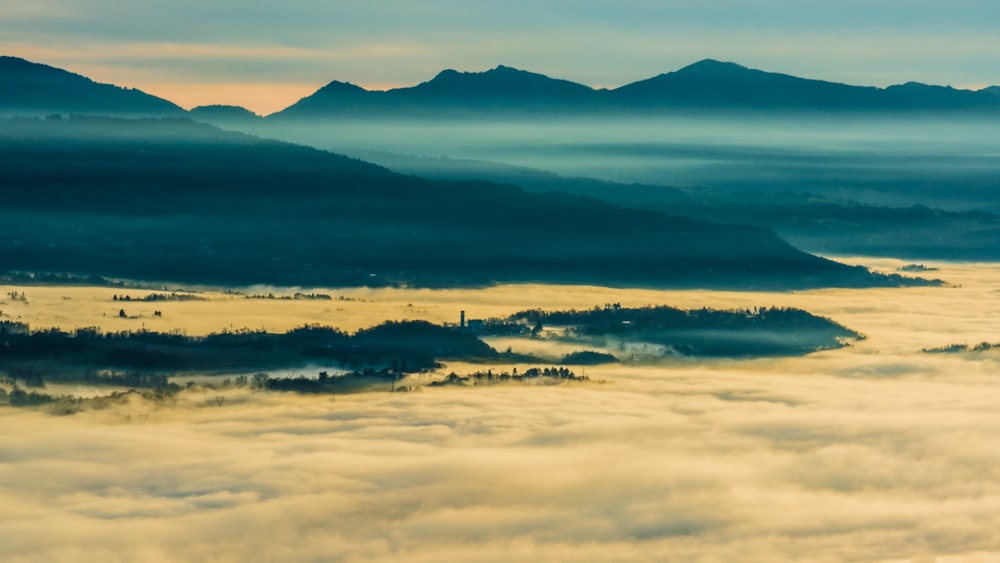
(877, 452)
(870, 158)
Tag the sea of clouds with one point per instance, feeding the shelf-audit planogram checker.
(877, 452)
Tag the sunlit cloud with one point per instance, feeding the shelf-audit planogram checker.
(873, 452)
(696, 464)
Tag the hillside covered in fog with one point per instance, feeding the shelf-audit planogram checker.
(181, 201)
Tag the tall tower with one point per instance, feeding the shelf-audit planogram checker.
(461, 323)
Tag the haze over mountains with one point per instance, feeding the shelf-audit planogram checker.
(178, 200)
(706, 85)
(139, 196)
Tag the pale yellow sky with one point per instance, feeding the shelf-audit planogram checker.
(261, 98)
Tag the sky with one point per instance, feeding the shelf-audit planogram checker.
(267, 55)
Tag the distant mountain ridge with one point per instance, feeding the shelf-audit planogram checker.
(704, 85)
(501, 88)
(224, 115)
(28, 88)
(711, 83)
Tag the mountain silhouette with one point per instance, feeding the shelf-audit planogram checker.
(712, 84)
(704, 85)
(500, 89)
(28, 88)
(502, 84)
(927, 96)
(224, 115)
(334, 98)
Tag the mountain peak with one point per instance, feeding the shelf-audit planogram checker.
(336, 86)
(502, 88)
(919, 86)
(447, 73)
(506, 69)
(712, 66)
(717, 84)
(30, 88)
(15, 69)
(7, 62)
(222, 113)
(500, 82)
(497, 72)
(335, 96)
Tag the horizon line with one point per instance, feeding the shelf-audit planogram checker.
(189, 105)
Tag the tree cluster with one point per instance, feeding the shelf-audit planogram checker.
(401, 347)
(489, 378)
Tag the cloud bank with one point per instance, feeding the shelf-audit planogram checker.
(873, 453)
(692, 464)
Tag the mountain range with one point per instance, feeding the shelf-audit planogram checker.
(707, 85)
(28, 88)
(133, 197)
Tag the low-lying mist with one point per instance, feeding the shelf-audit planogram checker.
(877, 452)
(876, 159)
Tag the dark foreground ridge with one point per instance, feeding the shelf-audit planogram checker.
(817, 222)
(174, 200)
(767, 331)
(144, 358)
